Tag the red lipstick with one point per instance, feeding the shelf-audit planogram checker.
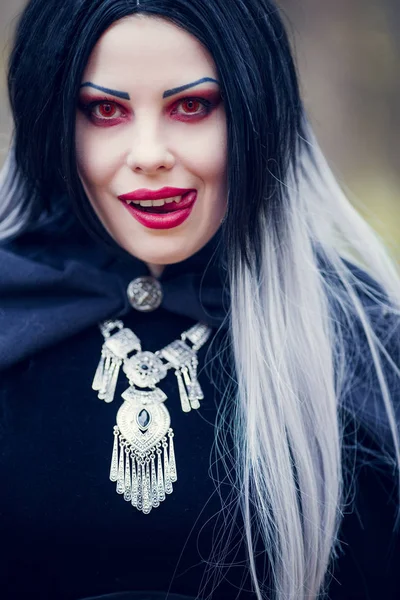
(165, 192)
(163, 217)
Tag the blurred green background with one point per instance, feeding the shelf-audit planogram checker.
(348, 56)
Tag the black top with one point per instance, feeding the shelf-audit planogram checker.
(65, 532)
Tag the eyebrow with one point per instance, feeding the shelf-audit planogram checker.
(166, 94)
(176, 90)
(123, 95)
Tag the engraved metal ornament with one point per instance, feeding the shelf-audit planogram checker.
(178, 354)
(115, 349)
(143, 438)
(184, 361)
(198, 335)
(123, 343)
(145, 294)
(154, 397)
(144, 369)
(143, 460)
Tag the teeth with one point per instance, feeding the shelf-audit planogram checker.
(160, 202)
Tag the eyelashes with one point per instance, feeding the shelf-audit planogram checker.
(103, 111)
(106, 112)
(206, 106)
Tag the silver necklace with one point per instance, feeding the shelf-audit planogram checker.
(143, 458)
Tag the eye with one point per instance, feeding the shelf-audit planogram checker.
(192, 107)
(105, 110)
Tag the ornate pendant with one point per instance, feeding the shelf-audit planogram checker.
(143, 459)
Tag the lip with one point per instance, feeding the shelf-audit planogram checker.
(165, 192)
(168, 220)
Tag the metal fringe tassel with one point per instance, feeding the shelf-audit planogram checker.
(186, 407)
(134, 489)
(172, 463)
(139, 504)
(143, 479)
(128, 489)
(195, 389)
(114, 459)
(154, 489)
(121, 469)
(106, 376)
(191, 387)
(160, 477)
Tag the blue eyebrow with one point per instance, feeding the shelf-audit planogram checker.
(123, 95)
(166, 94)
(176, 90)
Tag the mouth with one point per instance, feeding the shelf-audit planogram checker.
(162, 205)
(162, 212)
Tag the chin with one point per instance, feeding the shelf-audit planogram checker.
(164, 257)
(169, 259)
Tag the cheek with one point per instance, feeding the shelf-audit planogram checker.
(211, 163)
(97, 160)
(215, 157)
(206, 154)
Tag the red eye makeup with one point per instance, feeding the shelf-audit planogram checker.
(103, 111)
(106, 112)
(195, 108)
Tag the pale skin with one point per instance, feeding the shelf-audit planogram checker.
(144, 131)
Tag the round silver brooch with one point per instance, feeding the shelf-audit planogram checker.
(145, 294)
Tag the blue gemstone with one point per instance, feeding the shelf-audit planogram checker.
(144, 367)
(143, 418)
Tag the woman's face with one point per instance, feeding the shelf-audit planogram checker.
(151, 119)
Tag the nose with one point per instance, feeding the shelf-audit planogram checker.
(148, 152)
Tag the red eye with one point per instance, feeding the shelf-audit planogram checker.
(105, 110)
(190, 106)
(191, 109)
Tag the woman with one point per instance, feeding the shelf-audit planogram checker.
(174, 133)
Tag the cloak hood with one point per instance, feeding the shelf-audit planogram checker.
(56, 281)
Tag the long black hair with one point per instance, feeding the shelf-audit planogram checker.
(259, 86)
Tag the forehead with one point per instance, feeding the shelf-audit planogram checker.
(148, 52)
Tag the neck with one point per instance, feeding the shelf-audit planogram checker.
(155, 270)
